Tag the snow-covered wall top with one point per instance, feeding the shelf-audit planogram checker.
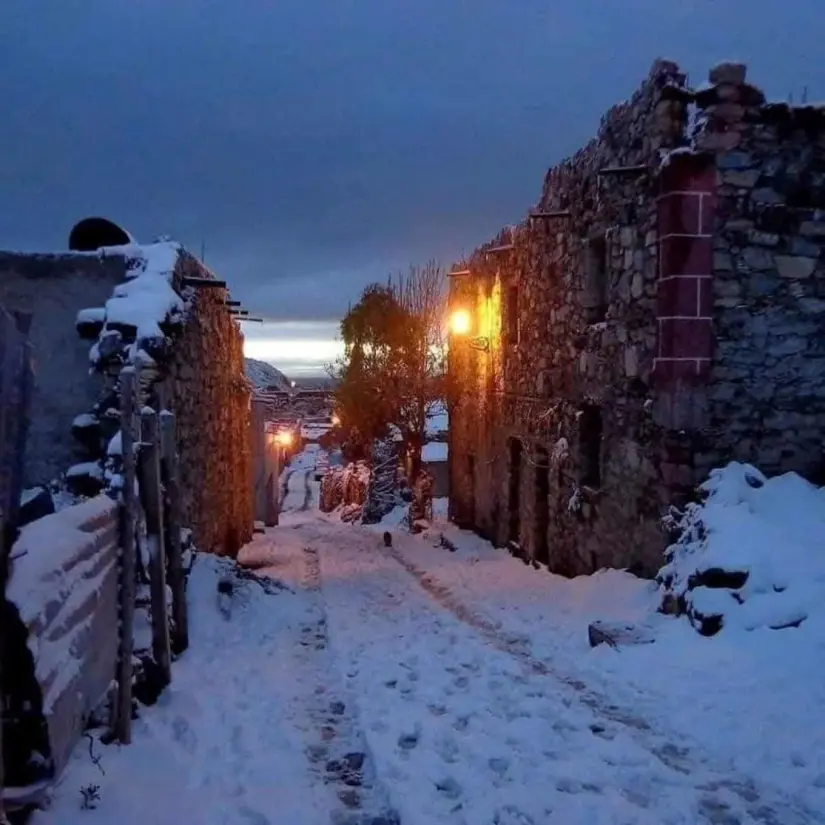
(64, 582)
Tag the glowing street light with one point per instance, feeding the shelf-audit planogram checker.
(284, 438)
(460, 322)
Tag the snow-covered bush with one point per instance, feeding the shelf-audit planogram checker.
(751, 553)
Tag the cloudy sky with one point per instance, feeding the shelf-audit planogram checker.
(313, 146)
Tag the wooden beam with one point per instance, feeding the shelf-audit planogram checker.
(457, 272)
(128, 560)
(152, 496)
(503, 248)
(209, 283)
(177, 578)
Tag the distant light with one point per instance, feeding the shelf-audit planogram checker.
(284, 438)
(336, 421)
(460, 322)
(292, 384)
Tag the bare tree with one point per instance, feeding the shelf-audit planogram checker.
(419, 383)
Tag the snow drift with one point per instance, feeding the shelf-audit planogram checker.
(751, 553)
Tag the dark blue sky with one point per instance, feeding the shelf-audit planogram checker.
(315, 145)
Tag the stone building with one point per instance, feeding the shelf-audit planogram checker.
(109, 302)
(660, 312)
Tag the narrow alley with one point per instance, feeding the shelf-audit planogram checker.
(346, 681)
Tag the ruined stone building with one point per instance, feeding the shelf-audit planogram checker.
(660, 312)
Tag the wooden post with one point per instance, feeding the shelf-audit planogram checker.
(177, 580)
(259, 450)
(150, 485)
(123, 728)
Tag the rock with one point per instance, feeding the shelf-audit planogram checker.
(734, 160)
(616, 634)
(812, 229)
(743, 179)
(794, 267)
(734, 74)
(34, 504)
(716, 577)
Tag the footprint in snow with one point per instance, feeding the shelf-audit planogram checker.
(184, 734)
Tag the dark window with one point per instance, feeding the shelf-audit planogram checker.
(596, 292)
(590, 446)
(512, 325)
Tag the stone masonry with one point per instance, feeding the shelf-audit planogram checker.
(660, 312)
(210, 397)
(54, 288)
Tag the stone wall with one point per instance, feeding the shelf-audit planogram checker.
(54, 288)
(767, 380)
(629, 320)
(575, 352)
(210, 397)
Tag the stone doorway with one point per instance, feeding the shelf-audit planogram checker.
(514, 524)
(541, 549)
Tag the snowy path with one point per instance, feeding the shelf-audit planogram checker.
(466, 729)
(378, 691)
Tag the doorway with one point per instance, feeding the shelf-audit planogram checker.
(541, 549)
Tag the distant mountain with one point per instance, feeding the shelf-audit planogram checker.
(264, 375)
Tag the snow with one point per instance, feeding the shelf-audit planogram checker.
(146, 299)
(465, 683)
(773, 530)
(84, 420)
(86, 468)
(53, 577)
(437, 419)
(434, 451)
(95, 315)
(264, 375)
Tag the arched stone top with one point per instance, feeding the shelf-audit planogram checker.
(90, 234)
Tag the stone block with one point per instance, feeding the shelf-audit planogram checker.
(733, 74)
(796, 268)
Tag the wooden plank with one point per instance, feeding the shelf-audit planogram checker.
(128, 564)
(151, 495)
(177, 579)
(209, 283)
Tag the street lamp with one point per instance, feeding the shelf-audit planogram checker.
(461, 324)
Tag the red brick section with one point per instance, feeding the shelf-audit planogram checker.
(684, 303)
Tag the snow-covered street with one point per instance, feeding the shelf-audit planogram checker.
(358, 683)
